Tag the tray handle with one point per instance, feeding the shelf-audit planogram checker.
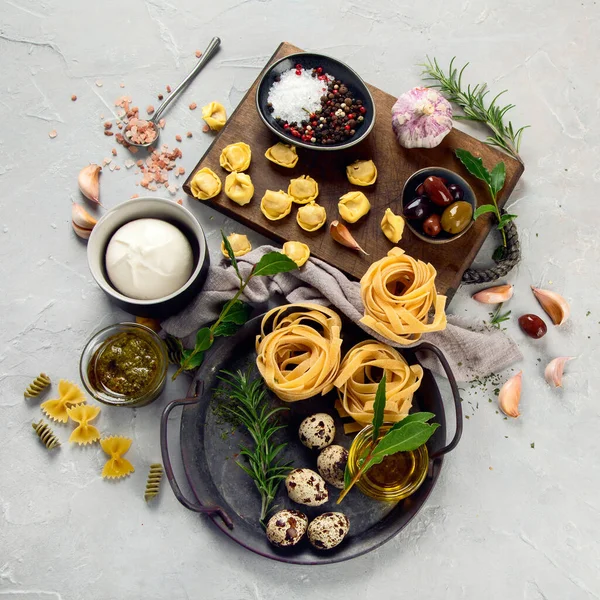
(455, 395)
(193, 398)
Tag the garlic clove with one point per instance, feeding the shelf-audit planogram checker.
(494, 295)
(556, 307)
(554, 370)
(510, 396)
(341, 234)
(89, 183)
(82, 221)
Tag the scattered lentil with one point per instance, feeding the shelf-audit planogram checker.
(73, 98)
(168, 88)
(193, 106)
(178, 138)
(188, 134)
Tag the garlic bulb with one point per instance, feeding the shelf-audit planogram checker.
(421, 118)
(89, 183)
(510, 396)
(554, 370)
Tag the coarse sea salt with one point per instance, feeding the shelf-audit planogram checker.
(294, 96)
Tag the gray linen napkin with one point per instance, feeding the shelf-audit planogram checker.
(472, 350)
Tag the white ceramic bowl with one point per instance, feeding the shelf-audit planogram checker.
(149, 208)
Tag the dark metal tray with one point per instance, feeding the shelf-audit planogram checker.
(221, 490)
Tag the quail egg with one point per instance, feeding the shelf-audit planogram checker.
(286, 528)
(331, 465)
(317, 431)
(306, 487)
(328, 530)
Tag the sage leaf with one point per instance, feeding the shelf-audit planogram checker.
(232, 257)
(497, 177)
(273, 263)
(407, 438)
(504, 219)
(474, 165)
(378, 409)
(481, 210)
(420, 417)
(237, 312)
(204, 339)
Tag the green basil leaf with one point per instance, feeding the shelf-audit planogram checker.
(225, 329)
(474, 165)
(232, 257)
(204, 340)
(499, 253)
(237, 312)
(481, 210)
(378, 408)
(419, 417)
(194, 361)
(504, 219)
(497, 176)
(405, 439)
(273, 263)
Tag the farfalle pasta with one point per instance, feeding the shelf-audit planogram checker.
(398, 293)
(84, 433)
(116, 466)
(299, 350)
(69, 395)
(358, 378)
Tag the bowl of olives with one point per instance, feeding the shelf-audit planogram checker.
(438, 205)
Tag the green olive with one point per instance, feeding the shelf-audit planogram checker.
(457, 217)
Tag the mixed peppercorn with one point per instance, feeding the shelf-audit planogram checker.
(340, 115)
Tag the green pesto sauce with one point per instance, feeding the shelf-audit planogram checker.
(125, 364)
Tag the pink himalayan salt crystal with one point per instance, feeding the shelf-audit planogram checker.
(421, 118)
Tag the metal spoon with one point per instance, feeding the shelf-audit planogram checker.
(210, 51)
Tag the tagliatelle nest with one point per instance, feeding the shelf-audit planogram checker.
(358, 379)
(399, 293)
(299, 350)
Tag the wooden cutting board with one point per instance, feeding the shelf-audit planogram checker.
(394, 164)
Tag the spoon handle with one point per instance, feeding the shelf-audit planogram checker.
(210, 51)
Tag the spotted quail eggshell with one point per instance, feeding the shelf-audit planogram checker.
(286, 528)
(317, 431)
(331, 465)
(306, 487)
(328, 530)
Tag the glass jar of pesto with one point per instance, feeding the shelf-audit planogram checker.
(124, 365)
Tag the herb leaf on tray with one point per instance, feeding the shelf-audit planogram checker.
(234, 312)
(406, 435)
(251, 409)
(472, 102)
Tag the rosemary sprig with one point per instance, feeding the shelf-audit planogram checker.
(472, 102)
(252, 410)
(497, 317)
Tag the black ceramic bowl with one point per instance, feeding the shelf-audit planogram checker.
(338, 70)
(154, 208)
(409, 192)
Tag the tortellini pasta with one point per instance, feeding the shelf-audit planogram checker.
(311, 216)
(205, 184)
(236, 157)
(215, 116)
(353, 206)
(283, 155)
(303, 189)
(362, 172)
(240, 244)
(276, 205)
(239, 188)
(297, 251)
(392, 226)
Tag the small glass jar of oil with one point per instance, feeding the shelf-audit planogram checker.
(398, 476)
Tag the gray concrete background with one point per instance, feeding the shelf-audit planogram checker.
(506, 520)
